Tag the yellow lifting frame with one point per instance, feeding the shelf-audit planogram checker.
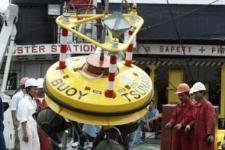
(71, 22)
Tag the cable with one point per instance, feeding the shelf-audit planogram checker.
(125, 6)
(178, 17)
(179, 38)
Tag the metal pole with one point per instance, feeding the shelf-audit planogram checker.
(106, 6)
(129, 52)
(65, 139)
(8, 61)
(63, 49)
(103, 37)
(111, 77)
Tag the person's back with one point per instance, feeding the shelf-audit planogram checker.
(91, 130)
(152, 114)
(15, 100)
(118, 133)
(150, 122)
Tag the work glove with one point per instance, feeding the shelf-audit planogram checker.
(168, 125)
(178, 126)
(187, 128)
(210, 139)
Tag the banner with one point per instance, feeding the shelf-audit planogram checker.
(184, 49)
(150, 49)
(43, 49)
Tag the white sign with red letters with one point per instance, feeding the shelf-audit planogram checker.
(43, 49)
(151, 49)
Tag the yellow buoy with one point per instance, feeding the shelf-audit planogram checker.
(97, 89)
(78, 91)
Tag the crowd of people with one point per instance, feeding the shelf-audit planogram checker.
(193, 121)
(29, 100)
(23, 105)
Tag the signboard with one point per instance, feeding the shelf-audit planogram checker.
(43, 49)
(178, 49)
(151, 49)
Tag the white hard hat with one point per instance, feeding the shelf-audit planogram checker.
(198, 86)
(40, 82)
(23, 80)
(31, 82)
(191, 91)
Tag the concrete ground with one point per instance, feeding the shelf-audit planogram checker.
(150, 143)
(147, 147)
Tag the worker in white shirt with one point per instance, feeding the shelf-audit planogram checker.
(16, 98)
(14, 106)
(27, 130)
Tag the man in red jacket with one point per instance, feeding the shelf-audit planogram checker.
(205, 119)
(182, 116)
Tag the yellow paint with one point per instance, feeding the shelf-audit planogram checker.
(176, 76)
(132, 87)
(222, 93)
(153, 77)
(219, 138)
(96, 120)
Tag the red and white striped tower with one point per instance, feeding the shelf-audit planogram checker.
(129, 51)
(111, 77)
(63, 49)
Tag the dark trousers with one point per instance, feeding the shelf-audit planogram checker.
(2, 141)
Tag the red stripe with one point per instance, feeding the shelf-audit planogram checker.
(130, 33)
(62, 64)
(130, 48)
(112, 59)
(102, 58)
(128, 63)
(64, 32)
(111, 76)
(109, 93)
(63, 48)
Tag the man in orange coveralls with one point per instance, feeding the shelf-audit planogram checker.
(205, 119)
(182, 116)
